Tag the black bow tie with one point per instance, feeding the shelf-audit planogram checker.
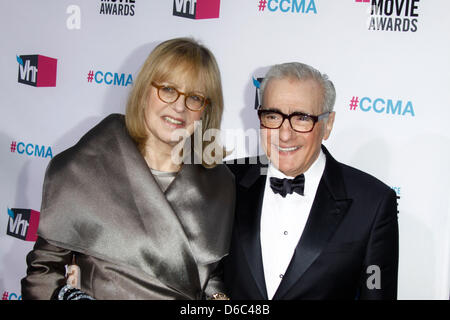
(285, 186)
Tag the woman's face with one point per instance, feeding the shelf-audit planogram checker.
(166, 122)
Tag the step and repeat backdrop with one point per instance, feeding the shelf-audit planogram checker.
(67, 64)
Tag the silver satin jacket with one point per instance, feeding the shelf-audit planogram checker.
(131, 240)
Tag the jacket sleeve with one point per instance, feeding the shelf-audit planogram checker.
(215, 283)
(46, 271)
(380, 270)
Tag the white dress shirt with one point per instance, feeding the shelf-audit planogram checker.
(283, 221)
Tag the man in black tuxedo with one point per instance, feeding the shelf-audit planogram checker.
(329, 233)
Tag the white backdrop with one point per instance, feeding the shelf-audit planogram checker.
(393, 64)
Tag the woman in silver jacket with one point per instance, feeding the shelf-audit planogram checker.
(143, 217)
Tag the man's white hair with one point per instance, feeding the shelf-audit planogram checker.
(301, 71)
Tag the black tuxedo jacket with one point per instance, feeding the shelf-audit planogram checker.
(351, 231)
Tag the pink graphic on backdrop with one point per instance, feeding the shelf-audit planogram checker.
(207, 9)
(46, 71)
(33, 227)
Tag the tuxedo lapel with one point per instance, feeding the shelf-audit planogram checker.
(251, 193)
(329, 207)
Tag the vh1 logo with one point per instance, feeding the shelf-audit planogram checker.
(196, 9)
(23, 224)
(37, 70)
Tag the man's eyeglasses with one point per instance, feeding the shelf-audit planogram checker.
(299, 121)
(193, 101)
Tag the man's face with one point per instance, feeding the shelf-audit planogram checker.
(290, 151)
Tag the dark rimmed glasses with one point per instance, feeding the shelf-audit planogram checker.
(193, 101)
(299, 121)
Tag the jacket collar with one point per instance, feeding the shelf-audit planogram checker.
(103, 196)
(166, 252)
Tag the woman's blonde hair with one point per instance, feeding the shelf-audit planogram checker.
(183, 57)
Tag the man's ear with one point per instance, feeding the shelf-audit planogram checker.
(329, 125)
